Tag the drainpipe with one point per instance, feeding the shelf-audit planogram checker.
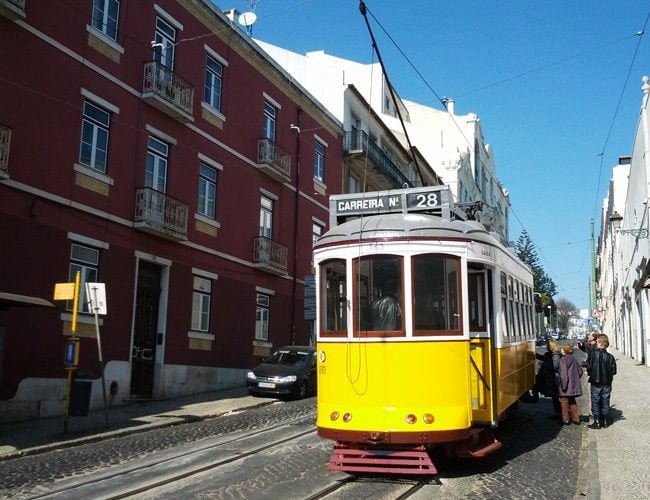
(294, 283)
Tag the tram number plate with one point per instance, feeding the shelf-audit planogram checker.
(266, 385)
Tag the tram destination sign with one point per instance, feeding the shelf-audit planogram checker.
(384, 202)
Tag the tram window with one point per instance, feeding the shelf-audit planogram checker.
(504, 304)
(511, 308)
(378, 299)
(333, 314)
(520, 311)
(476, 296)
(436, 304)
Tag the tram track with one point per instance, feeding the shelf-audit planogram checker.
(173, 466)
(404, 487)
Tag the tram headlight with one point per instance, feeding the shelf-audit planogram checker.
(428, 418)
(334, 416)
(347, 417)
(411, 419)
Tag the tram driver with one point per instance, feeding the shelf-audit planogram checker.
(386, 312)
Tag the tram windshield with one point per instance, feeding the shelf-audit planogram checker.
(377, 308)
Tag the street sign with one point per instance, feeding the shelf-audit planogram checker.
(96, 296)
(72, 354)
(64, 291)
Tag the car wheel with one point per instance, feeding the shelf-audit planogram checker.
(302, 393)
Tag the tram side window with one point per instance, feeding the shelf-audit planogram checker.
(436, 303)
(529, 311)
(504, 305)
(521, 329)
(511, 309)
(333, 314)
(378, 302)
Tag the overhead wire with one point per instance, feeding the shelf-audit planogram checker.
(638, 34)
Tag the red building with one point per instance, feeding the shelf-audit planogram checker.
(152, 147)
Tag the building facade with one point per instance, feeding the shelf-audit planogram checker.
(624, 250)
(452, 147)
(155, 148)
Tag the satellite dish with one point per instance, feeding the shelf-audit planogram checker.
(247, 19)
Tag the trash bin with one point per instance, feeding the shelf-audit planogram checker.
(80, 392)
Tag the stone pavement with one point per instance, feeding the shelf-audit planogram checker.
(616, 460)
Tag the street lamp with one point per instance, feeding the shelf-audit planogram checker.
(616, 219)
(550, 311)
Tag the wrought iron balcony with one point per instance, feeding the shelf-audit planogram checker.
(168, 92)
(357, 145)
(159, 214)
(13, 9)
(273, 160)
(5, 142)
(269, 255)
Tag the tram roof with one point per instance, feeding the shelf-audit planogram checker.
(409, 225)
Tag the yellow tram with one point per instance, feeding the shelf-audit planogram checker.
(424, 331)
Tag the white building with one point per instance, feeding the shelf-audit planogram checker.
(453, 145)
(624, 251)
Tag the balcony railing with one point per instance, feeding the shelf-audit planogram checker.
(12, 9)
(273, 160)
(5, 142)
(270, 255)
(167, 91)
(157, 213)
(358, 142)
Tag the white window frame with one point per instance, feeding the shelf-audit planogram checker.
(266, 217)
(157, 161)
(88, 269)
(95, 135)
(201, 303)
(262, 315)
(105, 17)
(207, 199)
(319, 160)
(165, 35)
(270, 120)
(213, 82)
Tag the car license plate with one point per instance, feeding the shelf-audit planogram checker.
(266, 385)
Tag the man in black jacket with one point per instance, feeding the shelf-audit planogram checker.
(601, 367)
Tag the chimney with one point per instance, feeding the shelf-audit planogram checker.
(449, 104)
(231, 14)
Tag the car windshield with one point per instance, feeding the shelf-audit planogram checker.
(289, 357)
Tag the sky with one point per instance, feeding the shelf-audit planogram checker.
(556, 85)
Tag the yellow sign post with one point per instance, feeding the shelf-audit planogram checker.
(70, 291)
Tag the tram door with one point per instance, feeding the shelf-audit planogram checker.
(480, 357)
(143, 354)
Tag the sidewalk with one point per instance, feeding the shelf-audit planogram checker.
(618, 457)
(36, 436)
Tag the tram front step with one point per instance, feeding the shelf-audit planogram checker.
(395, 461)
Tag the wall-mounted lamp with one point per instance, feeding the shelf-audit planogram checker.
(615, 219)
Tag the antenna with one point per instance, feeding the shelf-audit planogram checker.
(247, 19)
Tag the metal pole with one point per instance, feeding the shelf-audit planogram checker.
(73, 329)
(592, 297)
(95, 306)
